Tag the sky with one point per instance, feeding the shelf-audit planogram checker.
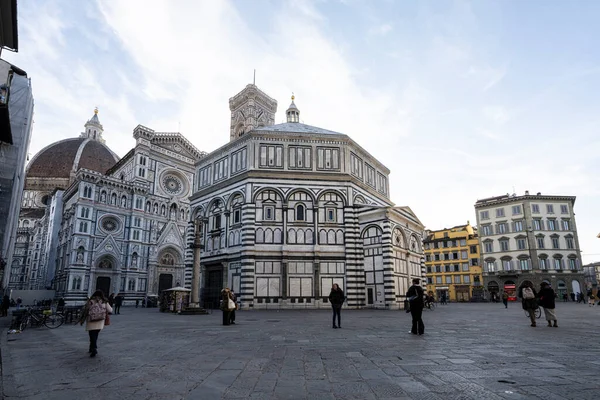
(461, 100)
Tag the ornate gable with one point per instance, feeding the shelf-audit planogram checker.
(177, 146)
(171, 236)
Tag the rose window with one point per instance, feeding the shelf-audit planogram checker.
(172, 185)
(109, 224)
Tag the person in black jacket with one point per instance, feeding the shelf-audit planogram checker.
(546, 299)
(336, 298)
(415, 298)
(529, 300)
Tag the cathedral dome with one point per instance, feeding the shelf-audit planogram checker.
(61, 159)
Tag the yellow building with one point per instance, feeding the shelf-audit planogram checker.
(452, 261)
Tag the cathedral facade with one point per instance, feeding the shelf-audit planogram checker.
(284, 211)
(109, 224)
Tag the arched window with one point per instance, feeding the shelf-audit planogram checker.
(148, 206)
(87, 192)
(163, 210)
(300, 212)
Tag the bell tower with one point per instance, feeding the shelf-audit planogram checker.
(93, 128)
(251, 108)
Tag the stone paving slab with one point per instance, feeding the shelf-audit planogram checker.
(469, 351)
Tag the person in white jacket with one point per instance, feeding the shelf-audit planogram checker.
(94, 315)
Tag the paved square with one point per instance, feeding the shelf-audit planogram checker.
(469, 351)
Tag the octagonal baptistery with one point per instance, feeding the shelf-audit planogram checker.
(284, 211)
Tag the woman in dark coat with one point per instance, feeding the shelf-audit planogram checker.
(546, 298)
(226, 296)
(336, 298)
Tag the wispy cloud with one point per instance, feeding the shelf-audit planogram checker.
(380, 30)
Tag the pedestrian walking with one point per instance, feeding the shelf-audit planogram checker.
(232, 312)
(443, 299)
(19, 302)
(94, 315)
(111, 299)
(137, 303)
(227, 305)
(591, 298)
(5, 305)
(572, 296)
(415, 299)
(118, 303)
(546, 297)
(529, 300)
(336, 298)
(505, 299)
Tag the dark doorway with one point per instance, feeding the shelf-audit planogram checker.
(165, 281)
(103, 283)
(213, 284)
(369, 296)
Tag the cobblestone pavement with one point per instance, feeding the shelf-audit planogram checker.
(469, 351)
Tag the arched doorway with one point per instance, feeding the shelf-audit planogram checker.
(104, 270)
(493, 290)
(576, 287)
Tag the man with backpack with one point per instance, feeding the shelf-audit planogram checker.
(529, 301)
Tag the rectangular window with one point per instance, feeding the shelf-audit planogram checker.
(381, 183)
(204, 176)
(438, 279)
(504, 245)
(507, 265)
(356, 166)
(474, 262)
(549, 208)
(484, 215)
(557, 263)
(429, 281)
(448, 279)
(369, 175)
(555, 243)
(535, 208)
(122, 284)
(501, 228)
(141, 172)
(437, 257)
(524, 264)
(490, 266)
(330, 212)
(142, 283)
(551, 225)
(328, 158)
(540, 243)
(466, 279)
(136, 235)
(499, 212)
(299, 157)
(438, 268)
(518, 226)
(570, 243)
(456, 278)
(464, 255)
(543, 263)
(456, 268)
(489, 247)
(566, 225)
(572, 263)
(465, 266)
(428, 269)
(486, 229)
(473, 249)
(271, 156)
(269, 213)
(237, 216)
(238, 161)
(537, 225)
(137, 222)
(139, 203)
(220, 168)
(564, 209)
(516, 210)
(521, 244)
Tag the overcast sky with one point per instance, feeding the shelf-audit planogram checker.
(461, 100)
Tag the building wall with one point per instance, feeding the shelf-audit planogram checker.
(12, 164)
(530, 237)
(453, 263)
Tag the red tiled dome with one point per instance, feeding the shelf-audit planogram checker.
(60, 158)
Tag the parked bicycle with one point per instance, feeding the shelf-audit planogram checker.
(38, 318)
(537, 312)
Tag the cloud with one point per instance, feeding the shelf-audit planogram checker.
(380, 30)
(496, 114)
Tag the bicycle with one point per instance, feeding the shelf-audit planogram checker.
(47, 318)
(430, 305)
(537, 313)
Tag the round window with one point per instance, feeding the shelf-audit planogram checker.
(109, 224)
(172, 184)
